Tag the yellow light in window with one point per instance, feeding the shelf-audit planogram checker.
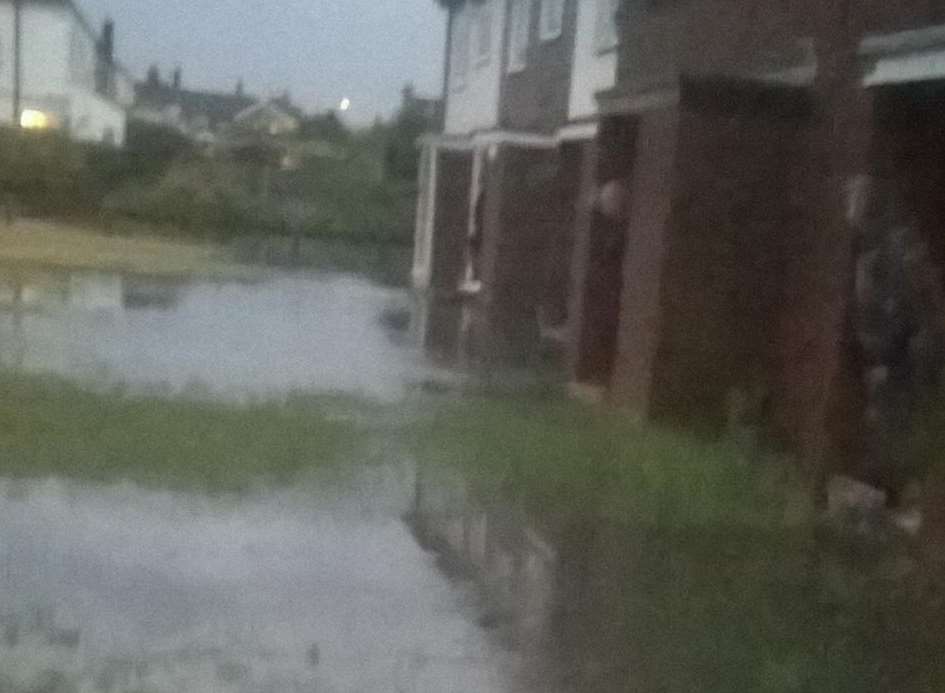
(34, 120)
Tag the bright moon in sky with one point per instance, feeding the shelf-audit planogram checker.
(345, 104)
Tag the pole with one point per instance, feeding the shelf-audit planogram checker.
(17, 61)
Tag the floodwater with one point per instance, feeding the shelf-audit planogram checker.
(290, 332)
(120, 589)
(316, 588)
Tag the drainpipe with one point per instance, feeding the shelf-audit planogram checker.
(17, 60)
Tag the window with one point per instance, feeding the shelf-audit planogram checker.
(552, 17)
(605, 34)
(483, 26)
(459, 61)
(518, 38)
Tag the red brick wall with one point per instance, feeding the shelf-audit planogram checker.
(652, 184)
(726, 256)
(662, 41)
(713, 37)
(523, 210)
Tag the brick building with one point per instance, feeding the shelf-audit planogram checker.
(745, 123)
(730, 131)
(499, 202)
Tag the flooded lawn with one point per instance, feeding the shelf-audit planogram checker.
(315, 586)
(120, 589)
(290, 332)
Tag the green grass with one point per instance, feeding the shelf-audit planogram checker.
(51, 428)
(560, 454)
(710, 570)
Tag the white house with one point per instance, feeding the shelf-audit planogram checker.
(64, 71)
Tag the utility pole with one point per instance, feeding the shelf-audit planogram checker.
(17, 60)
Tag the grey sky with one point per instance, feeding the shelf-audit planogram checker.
(321, 50)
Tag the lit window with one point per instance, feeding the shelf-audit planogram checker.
(460, 59)
(552, 18)
(518, 40)
(483, 33)
(34, 120)
(606, 30)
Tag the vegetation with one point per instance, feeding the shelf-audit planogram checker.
(50, 245)
(51, 428)
(327, 184)
(711, 570)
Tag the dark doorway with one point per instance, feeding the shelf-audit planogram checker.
(605, 250)
(736, 215)
(909, 150)
(450, 228)
(555, 308)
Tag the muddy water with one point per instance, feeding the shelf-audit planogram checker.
(289, 332)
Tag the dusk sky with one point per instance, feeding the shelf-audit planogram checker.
(320, 50)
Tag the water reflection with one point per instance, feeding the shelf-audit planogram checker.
(118, 589)
(290, 332)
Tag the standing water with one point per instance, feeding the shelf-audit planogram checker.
(314, 588)
(292, 332)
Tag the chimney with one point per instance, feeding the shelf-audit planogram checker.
(178, 78)
(108, 41)
(240, 89)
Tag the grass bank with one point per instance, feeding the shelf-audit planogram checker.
(64, 246)
(51, 428)
(334, 193)
(706, 567)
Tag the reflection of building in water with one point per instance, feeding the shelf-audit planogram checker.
(100, 292)
(144, 292)
(97, 291)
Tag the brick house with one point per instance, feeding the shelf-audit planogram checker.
(200, 115)
(499, 200)
(731, 131)
(734, 129)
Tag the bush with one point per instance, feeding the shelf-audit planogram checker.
(45, 172)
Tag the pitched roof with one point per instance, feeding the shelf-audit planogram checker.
(216, 107)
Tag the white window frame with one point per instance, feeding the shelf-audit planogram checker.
(482, 31)
(520, 29)
(459, 60)
(551, 21)
(606, 37)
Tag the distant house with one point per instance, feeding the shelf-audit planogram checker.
(200, 115)
(276, 117)
(56, 71)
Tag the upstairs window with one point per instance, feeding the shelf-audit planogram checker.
(459, 61)
(552, 19)
(483, 29)
(521, 16)
(605, 33)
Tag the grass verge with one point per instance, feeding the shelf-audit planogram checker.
(54, 245)
(51, 428)
(694, 566)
